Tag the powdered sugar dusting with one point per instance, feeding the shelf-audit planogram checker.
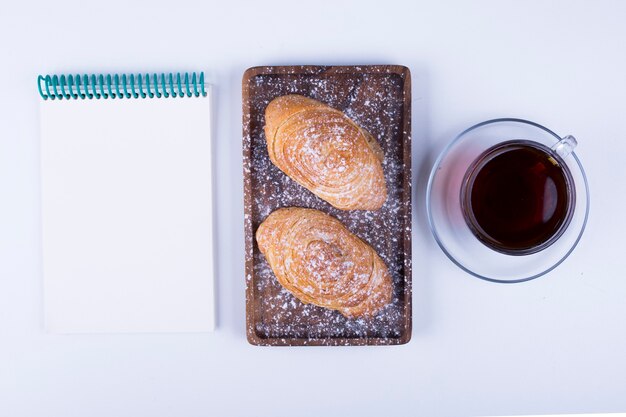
(374, 100)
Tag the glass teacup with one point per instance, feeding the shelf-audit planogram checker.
(507, 200)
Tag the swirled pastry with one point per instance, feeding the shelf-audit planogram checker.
(323, 150)
(321, 262)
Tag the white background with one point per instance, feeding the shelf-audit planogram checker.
(557, 344)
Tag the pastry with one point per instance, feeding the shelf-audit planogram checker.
(323, 150)
(321, 262)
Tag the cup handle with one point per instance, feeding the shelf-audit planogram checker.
(565, 146)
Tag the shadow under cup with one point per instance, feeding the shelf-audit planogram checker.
(507, 200)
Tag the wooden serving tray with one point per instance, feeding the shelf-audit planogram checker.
(378, 98)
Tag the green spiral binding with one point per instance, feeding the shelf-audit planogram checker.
(101, 86)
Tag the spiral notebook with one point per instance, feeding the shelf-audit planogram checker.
(126, 203)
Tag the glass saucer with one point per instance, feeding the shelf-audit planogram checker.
(447, 222)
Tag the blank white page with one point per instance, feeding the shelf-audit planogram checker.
(127, 215)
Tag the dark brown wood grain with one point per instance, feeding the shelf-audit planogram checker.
(377, 97)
